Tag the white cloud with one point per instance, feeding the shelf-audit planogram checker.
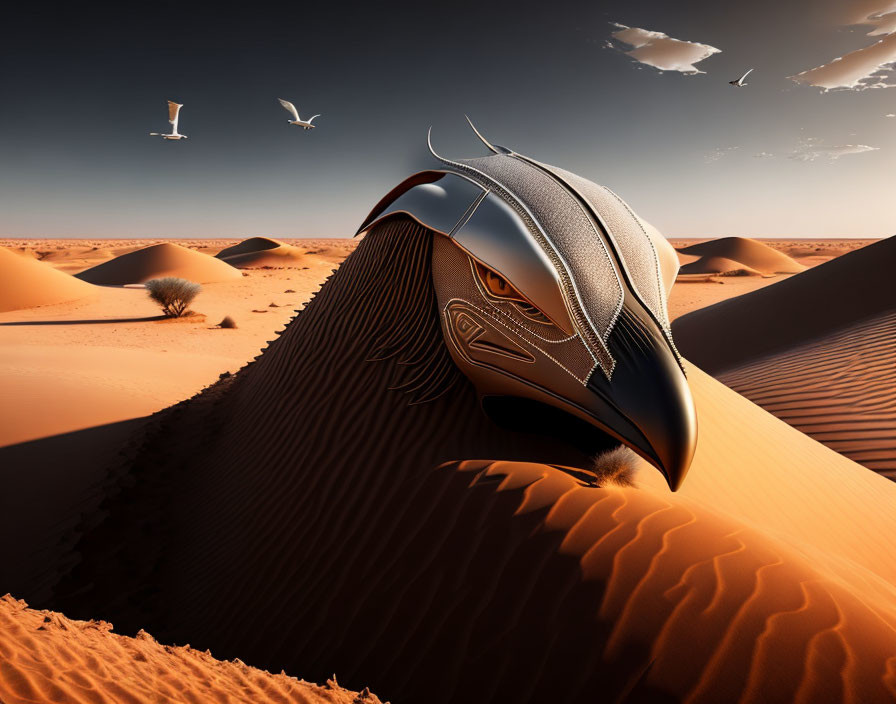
(890, 115)
(811, 149)
(881, 14)
(859, 70)
(869, 67)
(662, 51)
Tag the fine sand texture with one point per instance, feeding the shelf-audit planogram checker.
(346, 503)
(840, 389)
(156, 262)
(28, 283)
(46, 657)
(262, 252)
(817, 350)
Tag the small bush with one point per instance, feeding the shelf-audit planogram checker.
(616, 466)
(228, 322)
(173, 294)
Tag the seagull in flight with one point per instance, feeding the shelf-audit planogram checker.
(304, 124)
(739, 83)
(173, 114)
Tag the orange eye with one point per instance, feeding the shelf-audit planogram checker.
(498, 287)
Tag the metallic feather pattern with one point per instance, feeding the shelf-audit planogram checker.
(570, 311)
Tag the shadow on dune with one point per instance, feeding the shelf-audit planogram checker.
(48, 486)
(807, 306)
(817, 350)
(98, 321)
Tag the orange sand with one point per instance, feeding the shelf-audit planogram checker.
(28, 283)
(746, 252)
(46, 657)
(769, 576)
(817, 350)
(703, 290)
(107, 356)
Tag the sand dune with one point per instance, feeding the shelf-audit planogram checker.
(841, 390)
(817, 350)
(249, 246)
(262, 251)
(26, 283)
(157, 261)
(352, 550)
(48, 657)
(814, 304)
(111, 356)
(748, 253)
(717, 265)
(703, 290)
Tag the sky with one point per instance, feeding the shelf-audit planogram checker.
(804, 150)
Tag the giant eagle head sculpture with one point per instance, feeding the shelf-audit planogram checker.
(552, 290)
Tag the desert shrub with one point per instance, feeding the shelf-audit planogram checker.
(173, 294)
(228, 322)
(616, 466)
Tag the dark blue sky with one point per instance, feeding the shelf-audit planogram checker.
(84, 86)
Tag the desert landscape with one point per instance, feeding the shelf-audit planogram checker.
(102, 353)
(331, 565)
(457, 353)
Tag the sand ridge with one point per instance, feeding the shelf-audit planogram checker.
(792, 311)
(48, 657)
(701, 290)
(817, 350)
(158, 261)
(26, 282)
(840, 390)
(667, 565)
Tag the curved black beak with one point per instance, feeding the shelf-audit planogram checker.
(650, 398)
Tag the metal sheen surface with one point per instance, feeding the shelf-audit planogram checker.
(495, 236)
(439, 205)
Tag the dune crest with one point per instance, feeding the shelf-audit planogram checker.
(48, 657)
(157, 261)
(817, 350)
(26, 282)
(262, 251)
(742, 250)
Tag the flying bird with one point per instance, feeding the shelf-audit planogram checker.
(173, 115)
(739, 83)
(304, 124)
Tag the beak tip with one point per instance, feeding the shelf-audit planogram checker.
(677, 455)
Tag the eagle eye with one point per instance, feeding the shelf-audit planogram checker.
(498, 287)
